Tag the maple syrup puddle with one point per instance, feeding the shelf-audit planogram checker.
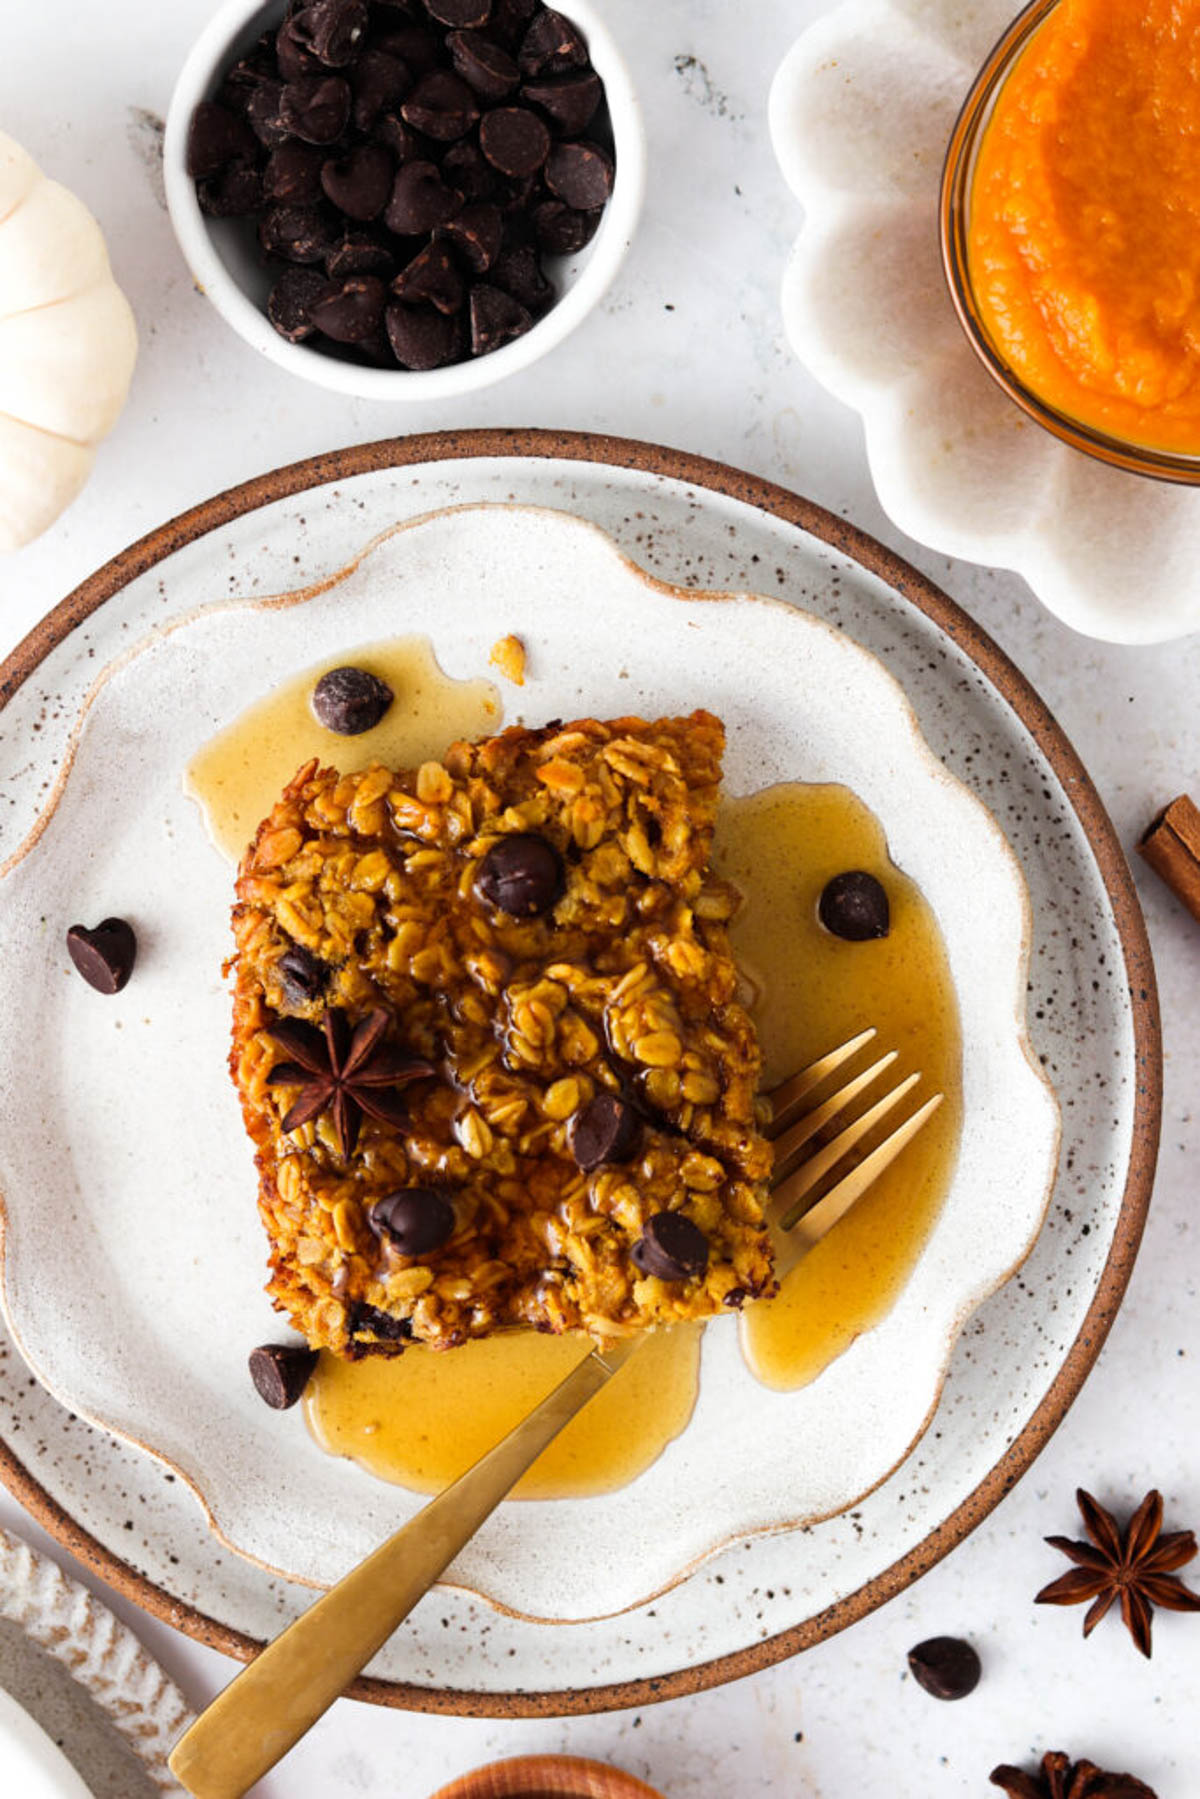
(420, 1419)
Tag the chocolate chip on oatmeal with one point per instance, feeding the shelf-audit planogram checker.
(362, 1317)
(581, 174)
(604, 1130)
(671, 1247)
(350, 701)
(280, 1372)
(514, 140)
(521, 875)
(104, 956)
(947, 1667)
(416, 1220)
(855, 906)
(304, 977)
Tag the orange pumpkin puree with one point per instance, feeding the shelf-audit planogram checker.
(1083, 226)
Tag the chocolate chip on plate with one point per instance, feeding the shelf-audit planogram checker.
(331, 30)
(292, 175)
(495, 318)
(422, 338)
(671, 1247)
(561, 231)
(416, 1220)
(304, 977)
(514, 140)
(280, 1372)
(461, 15)
(552, 42)
(420, 200)
(350, 700)
(947, 1667)
(606, 1129)
(290, 300)
(485, 67)
(104, 956)
(316, 107)
(855, 906)
(217, 137)
(441, 105)
(476, 233)
(581, 174)
(569, 100)
(521, 874)
(359, 183)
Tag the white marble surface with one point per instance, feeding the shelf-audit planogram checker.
(688, 350)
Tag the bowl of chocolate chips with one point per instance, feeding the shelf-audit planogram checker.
(404, 199)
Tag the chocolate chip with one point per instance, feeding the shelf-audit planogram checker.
(518, 271)
(217, 137)
(671, 1248)
(264, 111)
(352, 314)
(412, 44)
(569, 100)
(855, 906)
(431, 278)
(581, 174)
(553, 43)
(947, 1667)
(361, 1317)
(349, 700)
(292, 174)
(379, 82)
(420, 201)
(280, 1372)
(510, 20)
(476, 233)
(416, 1220)
(405, 144)
(441, 105)
(466, 168)
(331, 30)
(360, 253)
(316, 107)
(296, 290)
(495, 318)
(514, 140)
(422, 338)
(359, 183)
(485, 67)
(233, 194)
(561, 231)
(293, 57)
(604, 1130)
(104, 956)
(521, 874)
(462, 15)
(296, 233)
(303, 976)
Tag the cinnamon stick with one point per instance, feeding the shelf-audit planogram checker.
(1171, 845)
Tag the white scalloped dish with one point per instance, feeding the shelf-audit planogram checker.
(134, 1262)
(861, 112)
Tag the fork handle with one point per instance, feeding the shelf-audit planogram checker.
(281, 1694)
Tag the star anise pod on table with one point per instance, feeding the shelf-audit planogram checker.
(345, 1072)
(1137, 1568)
(1061, 1778)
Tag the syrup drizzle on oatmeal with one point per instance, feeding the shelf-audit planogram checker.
(421, 1418)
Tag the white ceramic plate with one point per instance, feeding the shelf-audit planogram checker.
(861, 112)
(698, 525)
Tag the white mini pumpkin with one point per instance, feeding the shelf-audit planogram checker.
(67, 346)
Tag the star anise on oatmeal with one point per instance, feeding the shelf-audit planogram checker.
(1061, 1778)
(345, 1072)
(1137, 1567)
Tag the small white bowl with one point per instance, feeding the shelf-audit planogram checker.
(226, 269)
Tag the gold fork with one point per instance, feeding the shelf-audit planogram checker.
(271, 1704)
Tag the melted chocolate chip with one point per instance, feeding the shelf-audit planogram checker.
(280, 1372)
(521, 874)
(671, 1247)
(349, 700)
(361, 1317)
(947, 1667)
(416, 1220)
(855, 906)
(104, 956)
(606, 1129)
(303, 976)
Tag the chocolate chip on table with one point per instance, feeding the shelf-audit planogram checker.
(460, 15)
(606, 1129)
(430, 279)
(420, 201)
(316, 107)
(671, 1248)
(552, 43)
(331, 30)
(216, 137)
(854, 906)
(441, 105)
(485, 67)
(514, 140)
(416, 1220)
(422, 338)
(560, 230)
(104, 956)
(280, 1372)
(288, 305)
(570, 100)
(350, 700)
(304, 977)
(581, 174)
(293, 174)
(359, 183)
(521, 874)
(296, 233)
(947, 1667)
(476, 233)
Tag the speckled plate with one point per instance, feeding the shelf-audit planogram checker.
(737, 534)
